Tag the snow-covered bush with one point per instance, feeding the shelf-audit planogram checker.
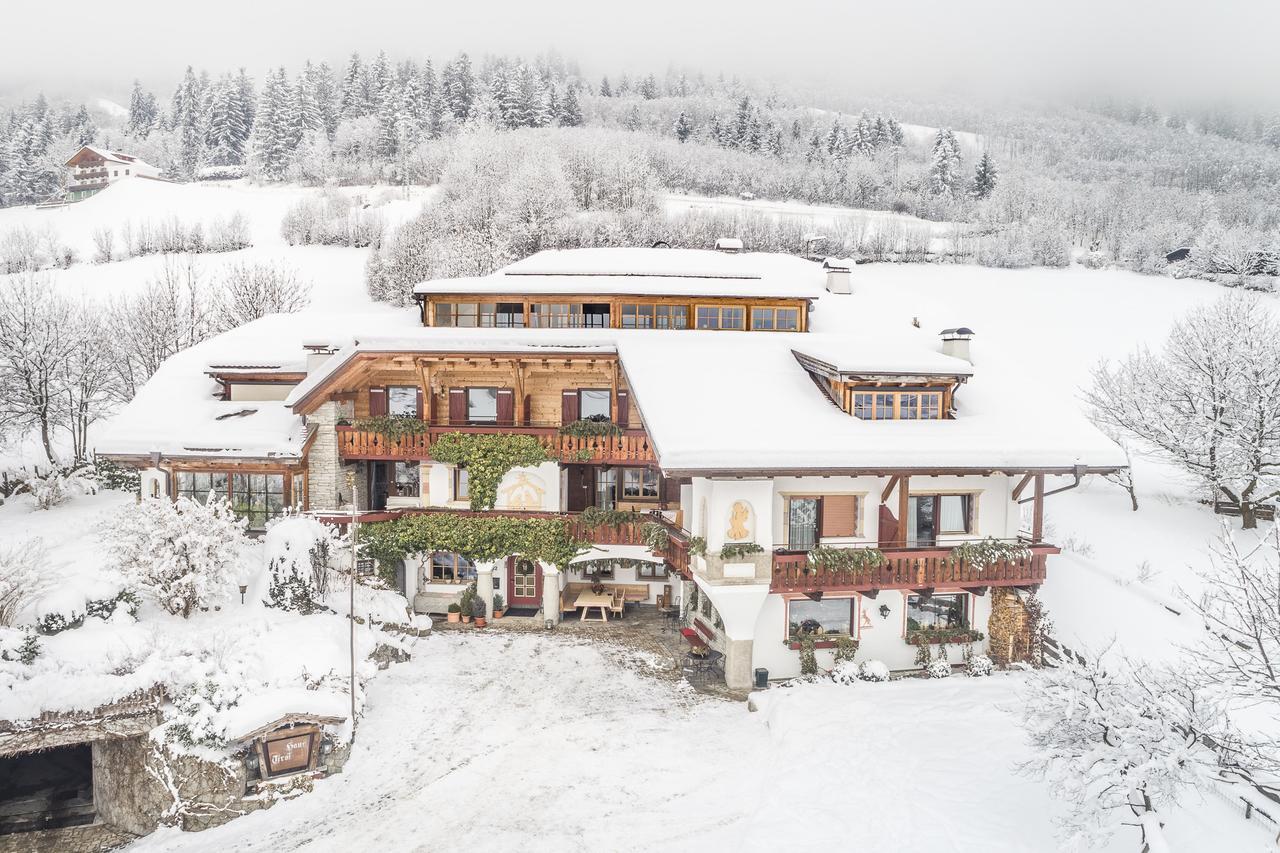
(299, 552)
(182, 553)
(125, 601)
(197, 712)
(333, 219)
(249, 292)
(23, 578)
(873, 670)
(846, 672)
(118, 478)
(940, 668)
(57, 485)
(978, 665)
(19, 646)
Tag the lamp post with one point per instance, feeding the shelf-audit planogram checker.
(351, 604)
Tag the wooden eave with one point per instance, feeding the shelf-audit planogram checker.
(292, 377)
(846, 471)
(589, 296)
(904, 377)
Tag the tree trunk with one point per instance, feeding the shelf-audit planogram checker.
(1248, 516)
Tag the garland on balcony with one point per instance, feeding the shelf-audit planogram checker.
(476, 537)
(697, 546)
(859, 561)
(945, 636)
(393, 427)
(656, 536)
(593, 517)
(606, 563)
(488, 457)
(985, 552)
(736, 550)
(591, 428)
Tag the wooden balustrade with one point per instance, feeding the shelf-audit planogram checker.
(629, 446)
(909, 568)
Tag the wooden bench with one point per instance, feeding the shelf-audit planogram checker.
(698, 637)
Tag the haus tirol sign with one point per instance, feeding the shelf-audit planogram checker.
(290, 751)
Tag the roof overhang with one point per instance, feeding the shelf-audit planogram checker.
(837, 471)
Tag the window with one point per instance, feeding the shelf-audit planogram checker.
(636, 316)
(897, 405)
(457, 314)
(200, 485)
(407, 479)
(830, 617)
(652, 572)
(775, 319)
(955, 513)
(606, 487)
(461, 485)
(595, 315)
(257, 497)
(482, 405)
(639, 484)
(593, 404)
(451, 568)
(557, 315)
(402, 401)
(937, 611)
(931, 516)
(509, 315)
(722, 317)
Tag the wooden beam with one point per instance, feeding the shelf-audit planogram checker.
(975, 590)
(904, 485)
(1037, 510)
(870, 593)
(1022, 484)
(924, 592)
(888, 490)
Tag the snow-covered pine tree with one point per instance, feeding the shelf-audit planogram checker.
(944, 168)
(325, 96)
(142, 112)
(189, 123)
(649, 88)
(984, 177)
(683, 128)
(570, 109)
(307, 109)
(351, 103)
(632, 120)
(460, 87)
(226, 133)
(379, 83)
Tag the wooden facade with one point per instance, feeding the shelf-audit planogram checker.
(610, 311)
(910, 568)
(630, 447)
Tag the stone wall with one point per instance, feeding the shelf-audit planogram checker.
(1008, 628)
(74, 839)
(325, 477)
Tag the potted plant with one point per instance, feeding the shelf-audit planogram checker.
(596, 585)
(465, 603)
(499, 606)
(478, 611)
(455, 613)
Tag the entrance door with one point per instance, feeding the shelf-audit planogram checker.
(802, 523)
(524, 582)
(378, 484)
(922, 527)
(580, 491)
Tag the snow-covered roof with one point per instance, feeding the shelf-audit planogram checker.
(112, 156)
(655, 272)
(878, 356)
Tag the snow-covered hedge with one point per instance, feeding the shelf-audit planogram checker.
(939, 668)
(299, 553)
(873, 670)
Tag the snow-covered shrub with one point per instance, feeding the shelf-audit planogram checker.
(978, 665)
(56, 622)
(125, 601)
(20, 251)
(182, 553)
(846, 672)
(118, 478)
(299, 552)
(19, 646)
(873, 670)
(333, 219)
(229, 235)
(197, 712)
(219, 173)
(56, 485)
(23, 578)
(104, 245)
(249, 292)
(939, 668)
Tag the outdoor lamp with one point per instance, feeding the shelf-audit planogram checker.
(884, 611)
(244, 587)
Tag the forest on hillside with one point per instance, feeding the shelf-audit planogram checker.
(1107, 184)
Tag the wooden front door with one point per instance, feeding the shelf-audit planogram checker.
(524, 582)
(580, 492)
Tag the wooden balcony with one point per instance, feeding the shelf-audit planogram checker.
(909, 568)
(632, 445)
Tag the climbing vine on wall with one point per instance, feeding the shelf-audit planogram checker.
(487, 459)
(485, 538)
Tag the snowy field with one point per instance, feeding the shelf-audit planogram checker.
(492, 741)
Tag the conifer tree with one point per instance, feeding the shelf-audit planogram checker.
(683, 128)
(984, 177)
(571, 110)
(142, 112)
(605, 90)
(944, 170)
(460, 87)
(325, 97)
(649, 88)
(352, 103)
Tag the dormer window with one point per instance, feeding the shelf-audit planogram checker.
(897, 405)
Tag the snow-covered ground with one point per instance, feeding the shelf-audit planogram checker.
(496, 741)
(818, 215)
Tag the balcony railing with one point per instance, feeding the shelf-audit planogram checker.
(632, 445)
(909, 568)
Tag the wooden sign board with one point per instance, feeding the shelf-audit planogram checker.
(289, 751)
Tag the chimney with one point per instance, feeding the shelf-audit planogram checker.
(839, 275)
(318, 352)
(732, 245)
(955, 342)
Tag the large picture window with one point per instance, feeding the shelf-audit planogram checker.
(775, 319)
(830, 617)
(482, 405)
(635, 316)
(937, 611)
(593, 404)
(257, 497)
(402, 401)
(201, 485)
(450, 568)
(554, 315)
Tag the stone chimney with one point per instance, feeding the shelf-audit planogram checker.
(839, 275)
(955, 342)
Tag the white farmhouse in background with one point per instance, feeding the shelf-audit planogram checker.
(91, 170)
(781, 489)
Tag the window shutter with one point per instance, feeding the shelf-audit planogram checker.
(888, 527)
(420, 410)
(568, 407)
(457, 406)
(671, 491)
(839, 515)
(377, 402)
(624, 408)
(506, 407)
(432, 415)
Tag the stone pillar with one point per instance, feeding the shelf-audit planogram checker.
(484, 585)
(325, 475)
(551, 594)
(737, 664)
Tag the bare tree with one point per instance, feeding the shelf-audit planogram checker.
(23, 578)
(249, 292)
(1209, 402)
(104, 245)
(36, 340)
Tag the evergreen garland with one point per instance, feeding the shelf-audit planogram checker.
(988, 551)
(488, 458)
(591, 428)
(393, 427)
(856, 560)
(656, 536)
(593, 517)
(736, 550)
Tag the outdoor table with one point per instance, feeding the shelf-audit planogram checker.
(588, 599)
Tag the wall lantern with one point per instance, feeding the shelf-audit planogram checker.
(884, 611)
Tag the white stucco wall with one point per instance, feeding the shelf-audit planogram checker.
(259, 391)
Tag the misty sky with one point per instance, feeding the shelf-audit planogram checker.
(1225, 48)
